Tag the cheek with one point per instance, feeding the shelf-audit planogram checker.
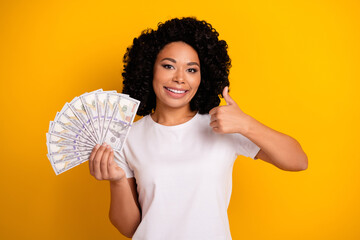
(156, 81)
(159, 77)
(196, 82)
(156, 87)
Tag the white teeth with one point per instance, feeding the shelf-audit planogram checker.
(175, 91)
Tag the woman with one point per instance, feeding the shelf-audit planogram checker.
(172, 180)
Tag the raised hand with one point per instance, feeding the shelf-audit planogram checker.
(102, 165)
(229, 118)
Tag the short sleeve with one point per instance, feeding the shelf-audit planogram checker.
(245, 147)
(121, 162)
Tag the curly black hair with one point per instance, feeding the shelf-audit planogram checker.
(215, 63)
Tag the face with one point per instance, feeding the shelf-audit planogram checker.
(176, 75)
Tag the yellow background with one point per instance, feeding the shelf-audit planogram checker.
(295, 69)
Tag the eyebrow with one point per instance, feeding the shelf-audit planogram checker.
(174, 61)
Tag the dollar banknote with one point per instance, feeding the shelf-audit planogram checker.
(90, 106)
(79, 111)
(55, 139)
(62, 163)
(55, 148)
(68, 120)
(120, 122)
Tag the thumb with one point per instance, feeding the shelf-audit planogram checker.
(227, 97)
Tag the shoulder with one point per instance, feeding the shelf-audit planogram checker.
(203, 118)
(141, 122)
(138, 127)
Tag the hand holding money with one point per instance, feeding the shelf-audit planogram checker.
(102, 165)
(93, 118)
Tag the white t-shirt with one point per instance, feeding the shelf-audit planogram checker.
(184, 177)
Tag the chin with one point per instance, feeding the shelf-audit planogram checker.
(176, 104)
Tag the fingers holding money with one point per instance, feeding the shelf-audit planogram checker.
(99, 161)
(115, 172)
(91, 159)
(104, 163)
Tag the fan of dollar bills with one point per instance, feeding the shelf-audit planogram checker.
(93, 118)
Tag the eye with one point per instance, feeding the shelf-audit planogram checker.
(192, 70)
(167, 66)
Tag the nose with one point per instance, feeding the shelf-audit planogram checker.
(179, 77)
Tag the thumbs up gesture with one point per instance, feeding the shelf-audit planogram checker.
(228, 118)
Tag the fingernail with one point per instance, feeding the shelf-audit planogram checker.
(104, 144)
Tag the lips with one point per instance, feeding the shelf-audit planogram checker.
(176, 92)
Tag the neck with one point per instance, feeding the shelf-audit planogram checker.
(172, 116)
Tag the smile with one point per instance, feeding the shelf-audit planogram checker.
(175, 90)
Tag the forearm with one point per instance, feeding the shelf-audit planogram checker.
(124, 212)
(284, 151)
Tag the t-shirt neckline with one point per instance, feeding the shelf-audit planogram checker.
(174, 126)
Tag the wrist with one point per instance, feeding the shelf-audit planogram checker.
(119, 182)
(245, 125)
